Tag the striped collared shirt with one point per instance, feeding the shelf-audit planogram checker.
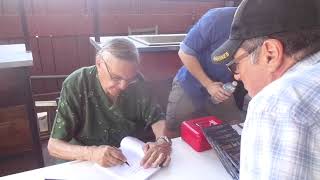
(281, 135)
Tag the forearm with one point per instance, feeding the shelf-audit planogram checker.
(194, 67)
(158, 128)
(67, 151)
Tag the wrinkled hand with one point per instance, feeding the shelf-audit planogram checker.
(106, 156)
(156, 154)
(217, 92)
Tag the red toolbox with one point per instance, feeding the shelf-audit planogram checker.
(192, 133)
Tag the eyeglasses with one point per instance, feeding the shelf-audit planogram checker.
(118, 79)
(233, 65)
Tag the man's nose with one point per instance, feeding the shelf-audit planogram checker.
(123, 84)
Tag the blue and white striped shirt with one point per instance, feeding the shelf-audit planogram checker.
(281, 135)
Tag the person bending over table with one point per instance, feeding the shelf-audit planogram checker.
(101, 104)
(274, 48)
(199, 80)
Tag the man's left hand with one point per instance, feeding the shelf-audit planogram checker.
(156, 154)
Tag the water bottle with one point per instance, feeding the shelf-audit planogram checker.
(229, 87)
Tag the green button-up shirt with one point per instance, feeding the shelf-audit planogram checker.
(86, 115)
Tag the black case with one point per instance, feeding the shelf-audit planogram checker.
(226, 142)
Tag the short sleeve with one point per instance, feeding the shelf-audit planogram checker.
(67, 115)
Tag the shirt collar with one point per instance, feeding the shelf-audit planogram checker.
(307, 61)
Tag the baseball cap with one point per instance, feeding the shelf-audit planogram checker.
(256, 18)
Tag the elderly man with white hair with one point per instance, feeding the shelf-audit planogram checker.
(101, 104)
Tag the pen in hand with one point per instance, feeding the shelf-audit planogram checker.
(127, 163)
(120, 151)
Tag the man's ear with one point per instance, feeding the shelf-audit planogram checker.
(273, 55)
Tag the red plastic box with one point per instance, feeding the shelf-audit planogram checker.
(192, 133)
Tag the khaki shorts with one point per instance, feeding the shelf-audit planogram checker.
(181, 108)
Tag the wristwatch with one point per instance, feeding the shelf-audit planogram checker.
(165, 138)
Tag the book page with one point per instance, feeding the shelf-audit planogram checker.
(132, 146)
(132, 149)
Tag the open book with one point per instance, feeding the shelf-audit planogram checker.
(132, 149)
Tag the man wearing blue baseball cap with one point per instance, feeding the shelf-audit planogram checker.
(274, 48)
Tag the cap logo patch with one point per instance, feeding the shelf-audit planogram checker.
(221, 57)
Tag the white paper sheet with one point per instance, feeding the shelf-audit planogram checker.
(132, 149)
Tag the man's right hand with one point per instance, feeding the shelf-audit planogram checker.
(217, 92)
(106, 156)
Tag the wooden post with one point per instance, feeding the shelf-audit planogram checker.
(95, 9)
(24, 24)
(33, 122)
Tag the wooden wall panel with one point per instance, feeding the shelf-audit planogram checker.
(66, 6)
(37, 66)
(14, 129)
(11, 80)
(60, 25)
(66, 56)
(37, 85)
(119, 7)
(83, 46)
(10, 27)
(118, 24)
(48, 64)
(200, 9)
(38, 7)
(166, 7)
(46, 54)
(10, 7)
(65, 53)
